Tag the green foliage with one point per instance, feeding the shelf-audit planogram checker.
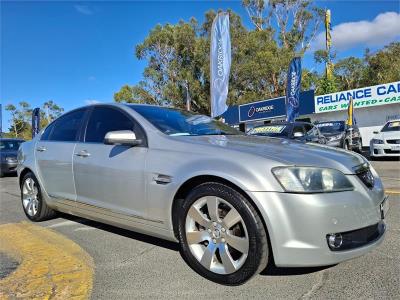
(384, 65)
(21, 118)
(326, 86)
(177, 57)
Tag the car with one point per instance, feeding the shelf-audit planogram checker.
(337, 134)
(8, 155)
(386, 142)
(300, 131)
(233, 202)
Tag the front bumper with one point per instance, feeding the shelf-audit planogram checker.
(8, 167)
(298, 224)
(383, 150)
(335, 143)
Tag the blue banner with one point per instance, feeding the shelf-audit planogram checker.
(268, 109)
(220, 63)
(293, 89)
(35, 121)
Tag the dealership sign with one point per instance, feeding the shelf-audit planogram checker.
(266, 109)
(363, 97)
(274, 108)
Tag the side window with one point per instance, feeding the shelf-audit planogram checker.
(309, 129)
(105, 119)
(46, 134)
(66, 128)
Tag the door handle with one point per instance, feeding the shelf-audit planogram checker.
(41, 149)
(83, 153)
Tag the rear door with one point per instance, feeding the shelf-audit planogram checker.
(111, 176)
(54, 153)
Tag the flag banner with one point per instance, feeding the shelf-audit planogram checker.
(220, 64)
(293, 86)
(328, 37)
(35, 121)
(350, 113)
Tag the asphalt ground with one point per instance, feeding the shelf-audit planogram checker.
(127, 265)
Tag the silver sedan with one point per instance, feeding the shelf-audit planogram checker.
(235, 203)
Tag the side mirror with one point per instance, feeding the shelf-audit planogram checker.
(121, 137)
(298, 134)
(376, 132)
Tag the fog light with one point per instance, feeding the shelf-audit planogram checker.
(335, 240)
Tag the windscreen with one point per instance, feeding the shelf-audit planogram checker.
(391, 126)
(270, 130)
(331, 127)
(175, 122)
(10, 145)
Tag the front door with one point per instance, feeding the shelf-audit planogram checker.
(54, 155)
(111, 176)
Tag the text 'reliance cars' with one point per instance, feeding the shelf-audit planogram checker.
(386, 142)
(299, 131)
(338, 135)
(233, 202)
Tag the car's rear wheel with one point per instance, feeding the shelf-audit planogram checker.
(221, 234)
(34, 206)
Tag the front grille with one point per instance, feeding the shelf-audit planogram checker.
(361, 237)
(365, 175)
(393, 141)
(390, 151)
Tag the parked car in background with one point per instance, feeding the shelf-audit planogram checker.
(386, 142)
(338, 135)
(233, 202)
(8, 155)
(300, 131)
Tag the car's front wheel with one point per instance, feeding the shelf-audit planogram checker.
(221, 234)
(34, 206)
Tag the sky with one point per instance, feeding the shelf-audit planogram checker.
(76, 53)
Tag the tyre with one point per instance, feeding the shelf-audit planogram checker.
(360, 148)
(221, 234)
(34, 206)
(346, 145)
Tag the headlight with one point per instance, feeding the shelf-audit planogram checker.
(11, 159)
(377, 141)
(311, 180)
(337, 137)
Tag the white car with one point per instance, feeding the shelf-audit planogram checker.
(387, 141)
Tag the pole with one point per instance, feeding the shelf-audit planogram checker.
(188, 100)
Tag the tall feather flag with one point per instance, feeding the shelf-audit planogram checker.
(35, 121)
(220, 63)
(350, 113)
(293, 86)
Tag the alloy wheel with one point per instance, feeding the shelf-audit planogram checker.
(30, 194)
(216, 235)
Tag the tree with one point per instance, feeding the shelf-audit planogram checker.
(50, 111)
(384, 65)
(297, 21)
(21, 118)
(178, 57)
(19, 122)
(350, 73)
